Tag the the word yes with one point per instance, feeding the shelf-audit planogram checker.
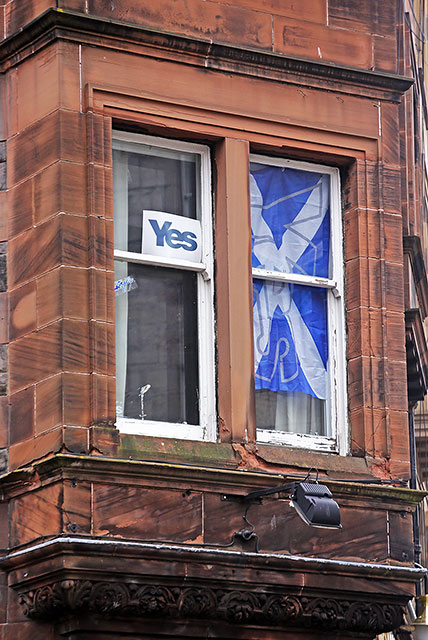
(173, 237)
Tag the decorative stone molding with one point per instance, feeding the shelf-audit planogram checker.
(235, 606)
(60, 23)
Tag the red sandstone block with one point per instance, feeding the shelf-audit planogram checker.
(69, 69)
(401, 537)
(136, 512)
(371, 16)
(21, 207)
(48, 404)
(21, 415)
(101, 243)
(74, 240)
(35, 357)
(75, 345)
(35, 514)
(76, 439)
(34, 252)
(4, 230)
(37, 85)
(400, 469)
(4, 317)
(49, 297)
(319, 42)
(75, 292)
(365, 332)
(4, 422)
(103, 399)
(359, 429)
(390, 128)
(22, 310)
(376, 374)
(362, 234)
(98, 298)
(361, 186)
(391, 191)
(313, 10)
(357, 384)
(393, 234)
(397, 389)
(77, 500)
(394, 287)
(76, 399)
(363, 283)
(395, 336)
(209, 20)
(19, 13)
(95, 138)
(60, 187)
(366, 382)
(62, 292)
(23, 453)
(399, 432)
(58, 136)
(34, 148)
(102, 348)
(385, 53)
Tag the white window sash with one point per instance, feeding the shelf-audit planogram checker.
(338, 441)
(207, 429)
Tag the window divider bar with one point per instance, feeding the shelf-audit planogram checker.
(294, 278)
(158, 261)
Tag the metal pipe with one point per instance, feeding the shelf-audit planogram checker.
(413, 485)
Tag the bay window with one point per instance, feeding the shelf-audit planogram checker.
(164, 294)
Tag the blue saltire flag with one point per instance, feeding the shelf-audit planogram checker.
(290, 233)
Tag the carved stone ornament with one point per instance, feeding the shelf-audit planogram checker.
(235, 606)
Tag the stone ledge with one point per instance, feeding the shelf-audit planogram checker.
(58, 23)
(68, 575)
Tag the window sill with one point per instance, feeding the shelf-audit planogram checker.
(269, 459)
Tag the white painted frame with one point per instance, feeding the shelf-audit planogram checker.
(207, 429)
(338, 441)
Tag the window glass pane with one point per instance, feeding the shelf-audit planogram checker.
(156, 344)
(153, 179)
(291, 356)
(290, 220)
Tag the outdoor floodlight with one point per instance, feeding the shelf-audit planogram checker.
(313, 502)
(315, 505)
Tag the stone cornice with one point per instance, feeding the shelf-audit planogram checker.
(56, 23)
(97, 547)
(70, 575)
(240, 481)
